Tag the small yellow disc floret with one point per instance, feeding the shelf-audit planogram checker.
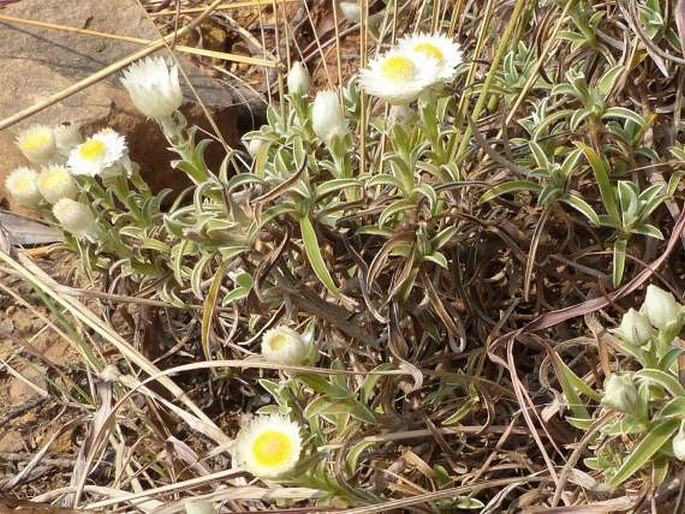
(272, 449)
(92, 149)
(398, 68)
(430, 50)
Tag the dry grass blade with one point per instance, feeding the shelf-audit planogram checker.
(213, 54)
(37, 277)
(224, 7)
(420, 499)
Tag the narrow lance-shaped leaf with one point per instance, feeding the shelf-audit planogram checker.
(657, 437)
(311, 247)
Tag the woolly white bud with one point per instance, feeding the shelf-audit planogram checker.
(55, 182)
(299, 80)
(284, 346)
(37, 143)
(21, 184)
(635, 328)
(254, 145)
(660, 307)
(679, 443)
(351, 11)
(620, 393)
(328, 117)
(75, 218)
(154, 87)
(66, 138)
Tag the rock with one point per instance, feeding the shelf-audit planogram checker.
(11, 441)
(20, 391)
(39, 62)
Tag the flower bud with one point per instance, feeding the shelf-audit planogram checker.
(620, 393)
(55, 182)
(66, 138)
(21, 184)
(351, 11)
(660, 307)
(679, 443)
(38, 145)
(328, 117)
(635, 328)
(154, 87)
(299, 80)
(284, 346)
(253, 146)
(75, 218)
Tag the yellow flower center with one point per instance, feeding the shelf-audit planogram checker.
(36, 141)
(92, 149)
(398, 68)
(22, 185)
(272, 449)
(430, 50)
(278, 342)
(54, 180)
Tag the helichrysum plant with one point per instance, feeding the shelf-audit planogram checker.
(646, 394)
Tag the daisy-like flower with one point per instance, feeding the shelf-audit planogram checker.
(99, 152)
(76, 218)
(55, 182)
(328, 117)
(154, 87)
(439, 47)
(21, 184)
(268, 446)
(38, 144)
(284, 346)
(399, 76)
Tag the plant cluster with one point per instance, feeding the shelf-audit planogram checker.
(375, 238)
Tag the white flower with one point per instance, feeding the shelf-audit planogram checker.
(37, 143)
(443, 49)
(660, 307)
(398, 76)
(328, 117)
(21, 184)
(351, 11)
(66, 138)
(679, 443)
(299, 80)
(635, 328)
(99, 152)
(284, 346)
(75, 218)
(154, 87)
(254, 145)
(620, 393)
(55, 182)
(268, 446)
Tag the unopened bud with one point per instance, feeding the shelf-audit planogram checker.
(328, 117)
(635, 328)
(299, 80)
(660, 307)
(620, 393)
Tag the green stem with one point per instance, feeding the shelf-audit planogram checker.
(503, 47)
